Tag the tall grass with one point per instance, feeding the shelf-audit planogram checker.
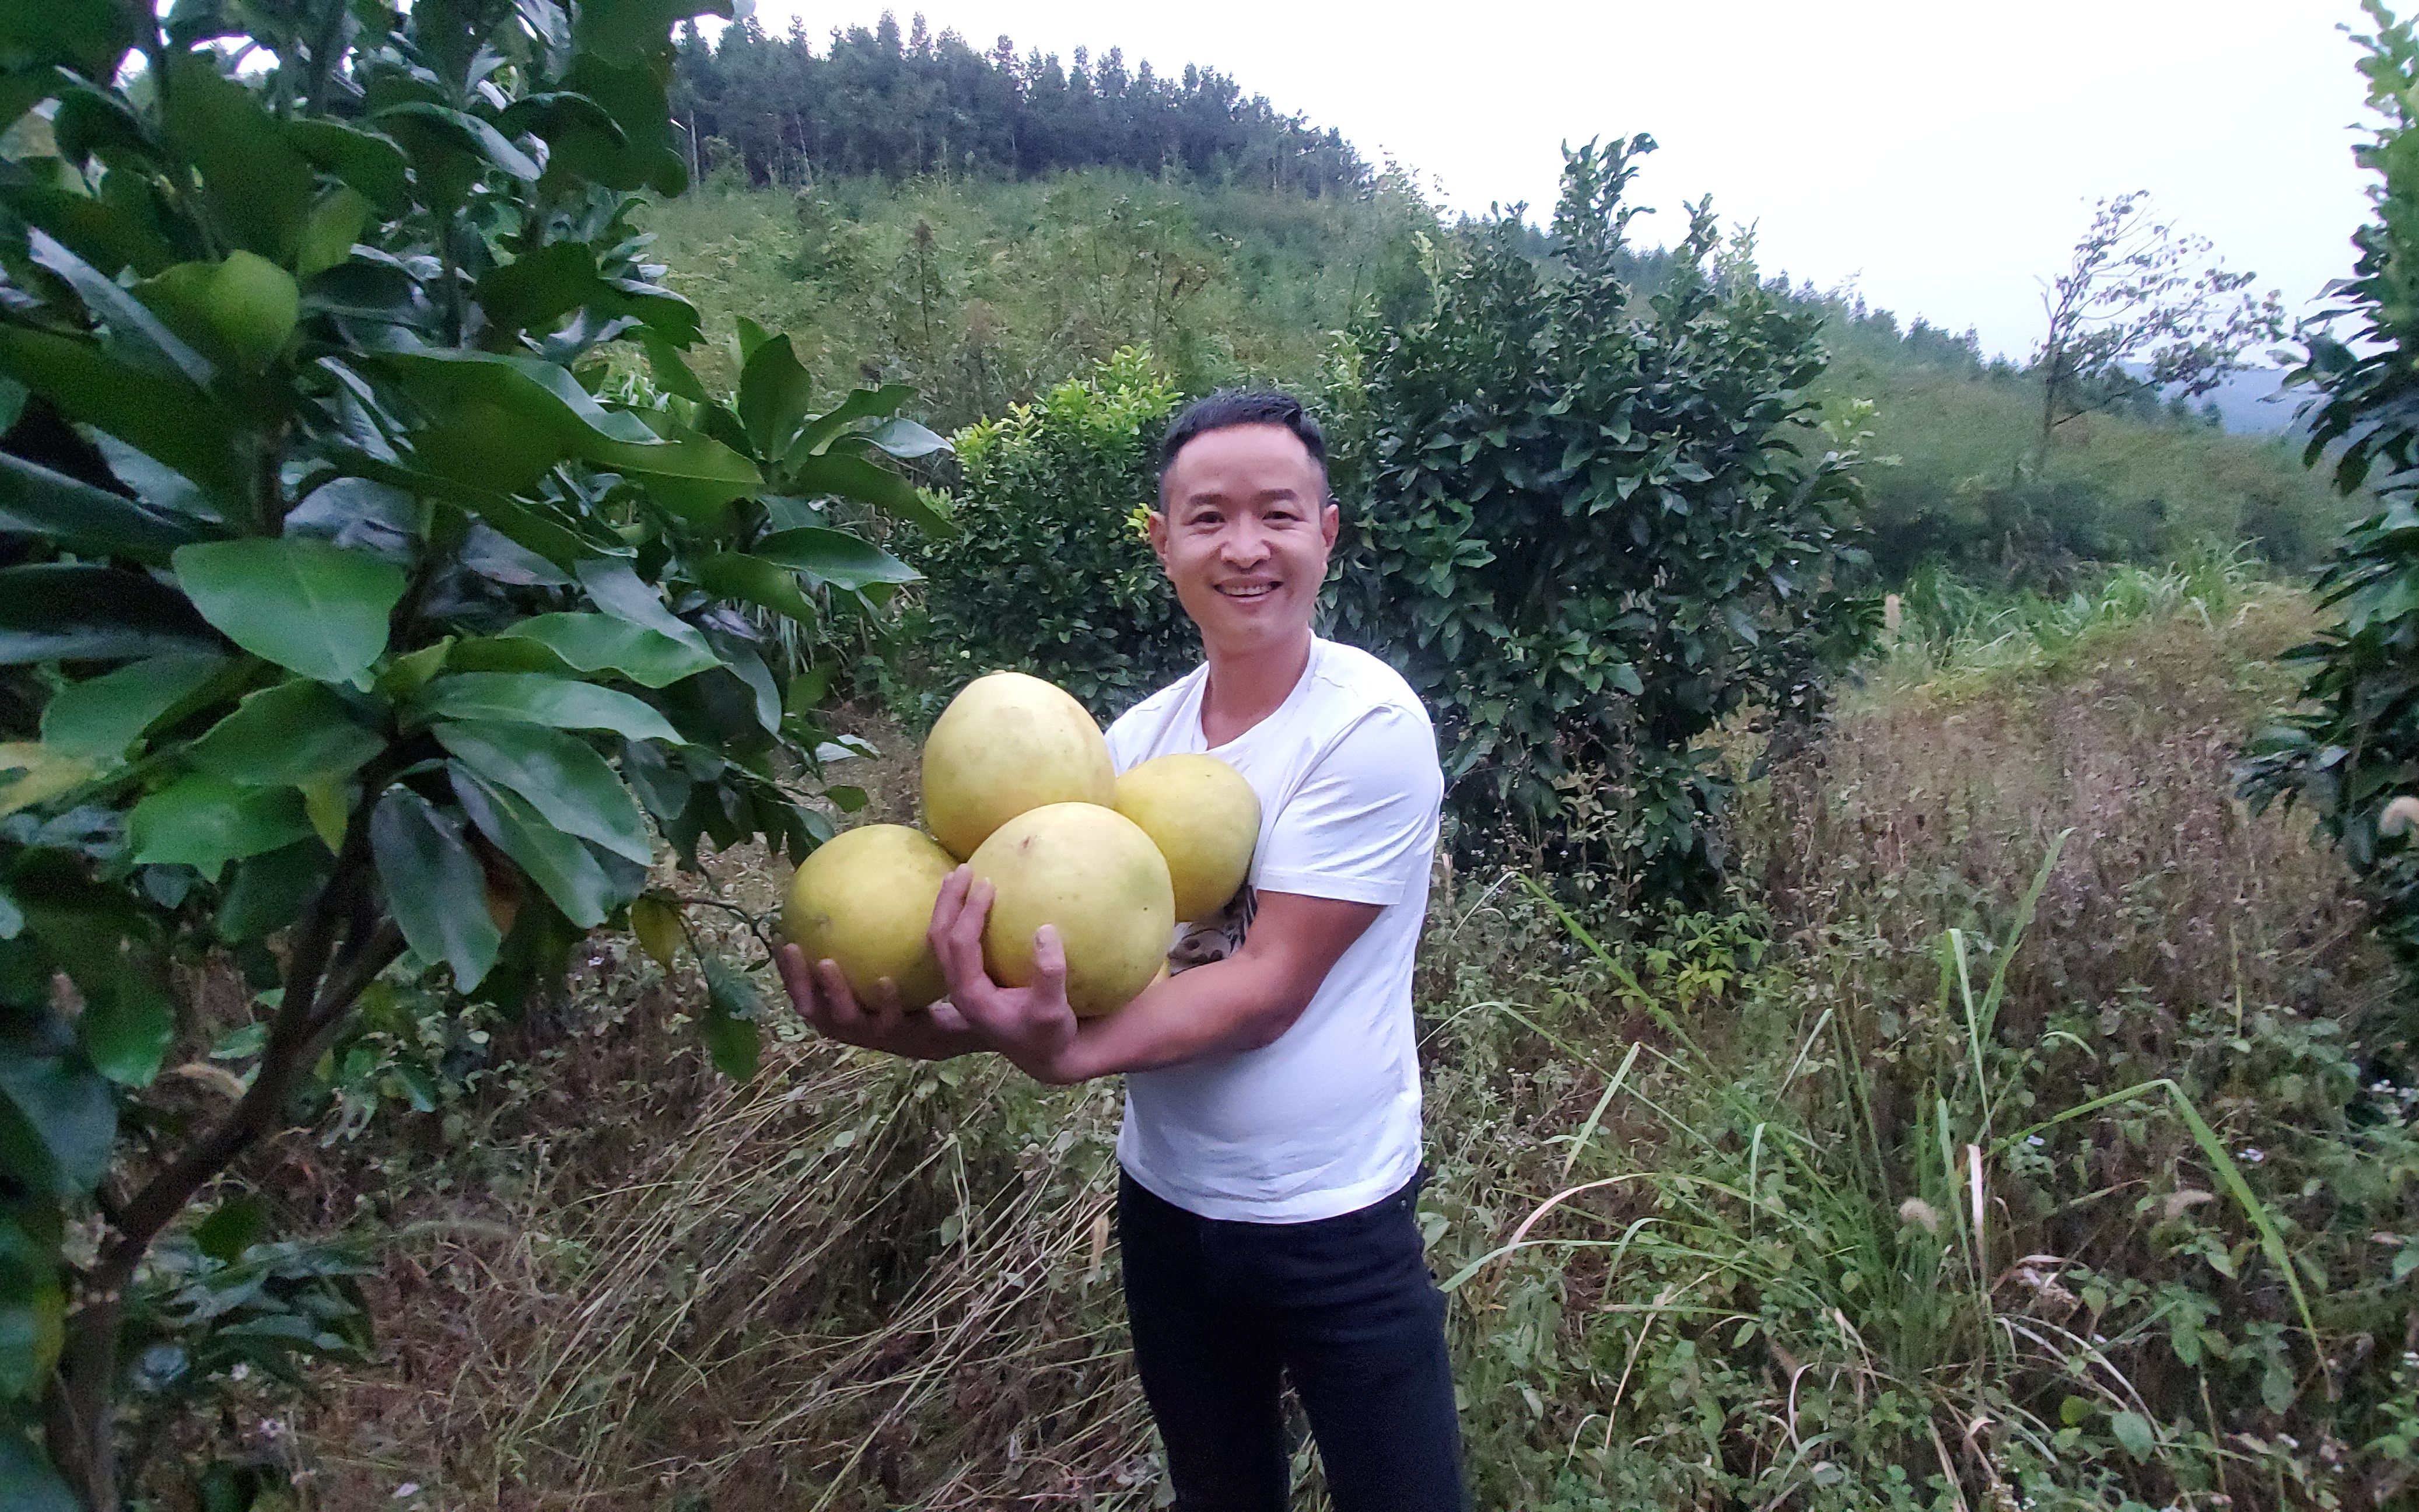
(1967, 1167)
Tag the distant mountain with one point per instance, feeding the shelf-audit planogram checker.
(2255, 403)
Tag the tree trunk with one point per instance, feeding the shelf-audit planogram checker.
(79, 1412)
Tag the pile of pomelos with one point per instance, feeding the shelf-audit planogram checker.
(1018, 784)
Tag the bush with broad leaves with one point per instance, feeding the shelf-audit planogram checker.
(1596, 526)
(348, 631)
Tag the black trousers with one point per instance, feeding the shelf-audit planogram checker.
(1343, 1306)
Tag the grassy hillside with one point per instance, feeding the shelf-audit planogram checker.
(1745, 1274)
(983, 293)
(2113, 488)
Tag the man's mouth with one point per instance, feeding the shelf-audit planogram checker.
(1248, 591)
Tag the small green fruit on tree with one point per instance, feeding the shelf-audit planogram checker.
(347, 630)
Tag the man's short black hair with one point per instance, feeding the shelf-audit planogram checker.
(1228, 408)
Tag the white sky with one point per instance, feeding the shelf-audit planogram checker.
(1942, 153)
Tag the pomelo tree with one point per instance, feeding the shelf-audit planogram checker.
(367, 615)
(2350, 752)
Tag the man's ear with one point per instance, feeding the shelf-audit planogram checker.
(1155, 522)
(1331, 523)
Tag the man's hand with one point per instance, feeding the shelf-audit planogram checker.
(1032, 1025)
(823, 999)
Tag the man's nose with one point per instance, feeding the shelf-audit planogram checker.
(1243, 543)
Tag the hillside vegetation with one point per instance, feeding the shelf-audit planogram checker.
(986, 292)
(1742, 1269)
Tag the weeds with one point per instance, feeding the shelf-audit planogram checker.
(1950, 1179)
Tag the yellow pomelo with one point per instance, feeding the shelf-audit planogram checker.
(1005, 743)
(1092, 872)
(864, 900)
(1205, 819)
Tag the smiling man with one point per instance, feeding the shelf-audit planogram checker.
(1270, 1149)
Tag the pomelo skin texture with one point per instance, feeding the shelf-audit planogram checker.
(1205, 819)
(864, 900)
(1005, 743)
(1093, 873)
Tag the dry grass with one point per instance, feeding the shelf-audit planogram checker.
(855, 1285)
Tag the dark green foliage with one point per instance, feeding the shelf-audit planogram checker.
(351, 629)
(874, 101)
(1052, 573)
(1594, 527)
(2352, 750)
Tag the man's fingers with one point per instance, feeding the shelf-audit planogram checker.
(885, 1000)
(792, 963)
(1049, 962)
(841, 1015)
(952, 898)
(956, 934)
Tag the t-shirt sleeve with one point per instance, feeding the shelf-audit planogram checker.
(1362, 827)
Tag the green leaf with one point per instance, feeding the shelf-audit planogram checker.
(258, 186)
(371, 165)
(838, 558)
(27, 1482)
(635, 31)
(671, 373)
(619, 591)
(289, 733)
(560, 865)
(774, 395)
(157, 414)
(559, 775)
(103, 715)
(88, 36)
(534, 698)
(271, 890)
(35, 500)
(32, 774)
(230, 1229)
(854, 477)
(336, 222)
(754, 581)
(428, 129)
(205, 822)
(2136, 1433)
(127, 1029)
(133, 330)
(434, 886)
(69, 611)
(33, 1315)
(604, 643)
(862, 403)
(61, 1122)
(904, 440)
(304, 603)
(537, 290)
(728, 1026)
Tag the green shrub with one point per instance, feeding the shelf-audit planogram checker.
(1594, 527)
(2352, 748)
(349, 628)
(1050, 572)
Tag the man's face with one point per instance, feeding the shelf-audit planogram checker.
(1243, 528)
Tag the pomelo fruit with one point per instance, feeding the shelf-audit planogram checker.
(864, 900)
(1204, 818)
(1092, 872)
(1005, 743)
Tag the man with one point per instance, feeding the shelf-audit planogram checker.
(1270, 1149)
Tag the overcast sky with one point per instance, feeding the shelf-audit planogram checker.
(1943, 154)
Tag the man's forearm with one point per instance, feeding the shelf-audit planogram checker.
(1223, 1007)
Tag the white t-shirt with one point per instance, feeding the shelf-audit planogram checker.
(1326, 1118)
